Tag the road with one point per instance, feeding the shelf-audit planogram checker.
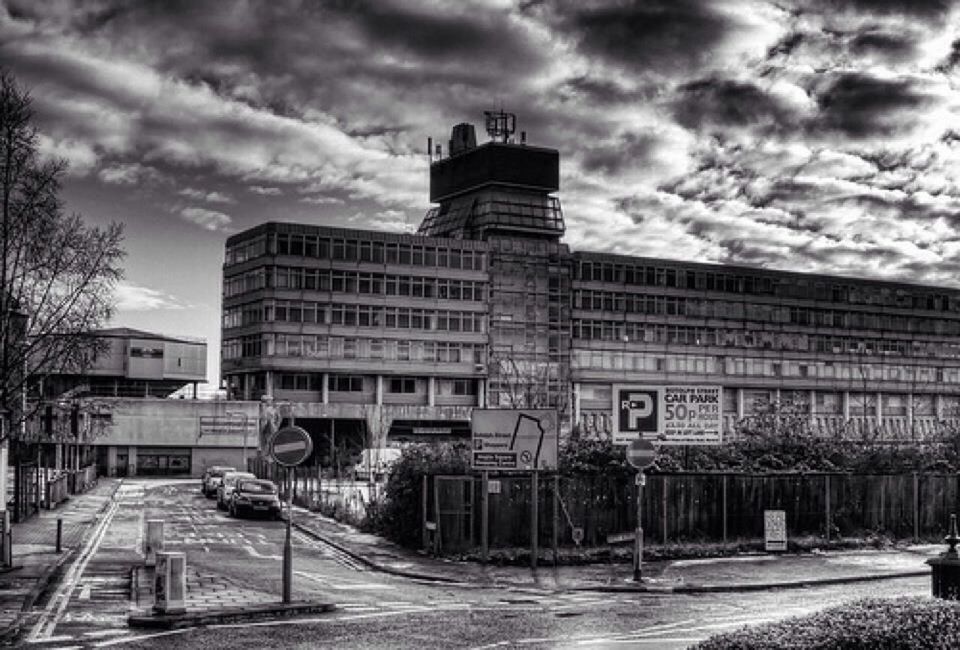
(238, 561)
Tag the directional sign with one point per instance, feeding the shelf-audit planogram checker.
(641, 453)
(514, 439)
(290, 446)
(671, 415)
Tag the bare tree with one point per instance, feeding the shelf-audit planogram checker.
(57, 275)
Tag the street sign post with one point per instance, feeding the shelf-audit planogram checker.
(670, 415)
(516, 440)
(641, 454)
(290, 446)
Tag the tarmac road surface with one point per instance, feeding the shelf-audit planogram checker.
(238, 561)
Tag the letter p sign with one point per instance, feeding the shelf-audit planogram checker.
(637, 412)
(638, 406)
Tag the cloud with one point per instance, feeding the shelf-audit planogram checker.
(726, 103)
(79, 156)
(206, 219)
(204, 195)
(322, 200)
(265, 191)
(130, 174)
(858, 104)
(134, 297)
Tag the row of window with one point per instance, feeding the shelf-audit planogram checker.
(632, 303)
(246, 250)
(626, 332)
(284, 311)
(353, 282)
(376, 252)
(709, 365)
(335, 347)
(355, 384)
(810, 288)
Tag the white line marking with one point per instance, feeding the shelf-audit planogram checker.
(101, 633)
(54, 610)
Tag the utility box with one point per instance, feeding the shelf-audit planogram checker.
(170, 583)
(152, 541)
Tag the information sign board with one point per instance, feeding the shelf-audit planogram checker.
(669, 415)
(775, 530)
(514, 439)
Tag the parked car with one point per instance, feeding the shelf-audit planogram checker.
(375, 464)
(211, 478)
(255, 496)
(225, 489)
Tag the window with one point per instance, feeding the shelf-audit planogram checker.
(346, 383)
(464, 387)
(406, 385)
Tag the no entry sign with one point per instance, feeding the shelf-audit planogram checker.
(641, 453)
(291, 446)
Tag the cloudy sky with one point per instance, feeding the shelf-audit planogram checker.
(819, 135)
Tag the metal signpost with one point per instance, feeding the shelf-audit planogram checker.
(515, 440)
(290, 446)
(670, 415)
(640, 454)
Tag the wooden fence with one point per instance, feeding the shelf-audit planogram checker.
(716, 507)
(677, 507)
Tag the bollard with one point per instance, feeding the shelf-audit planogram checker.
(59, 533)
(6, 540)
(945, 569)
(170, 583)
(152, 541)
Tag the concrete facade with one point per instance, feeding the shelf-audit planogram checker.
(486, 307)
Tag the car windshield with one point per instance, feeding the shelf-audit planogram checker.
(233, 478)
(258, 487)
(218, 473)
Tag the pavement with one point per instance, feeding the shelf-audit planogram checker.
(213, 597)
(35, 558)
(749, 572)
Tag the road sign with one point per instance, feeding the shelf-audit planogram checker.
(290, 446)
(514, 439)
(641, 453)
(577, 534)
(671, 415)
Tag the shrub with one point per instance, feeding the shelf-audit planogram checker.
(868, 624)
(398, 516)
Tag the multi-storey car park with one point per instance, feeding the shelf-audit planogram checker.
(393, 336)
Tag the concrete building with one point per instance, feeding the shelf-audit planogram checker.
(392, 337)
(119, 415)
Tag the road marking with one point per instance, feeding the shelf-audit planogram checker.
(55, 608)
(103, 633)
(252, 551)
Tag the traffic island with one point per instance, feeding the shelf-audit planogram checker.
(247, 614)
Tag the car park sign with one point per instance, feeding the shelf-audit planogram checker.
(290, 446)
(669, 415)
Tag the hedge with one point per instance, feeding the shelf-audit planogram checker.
(914, 623)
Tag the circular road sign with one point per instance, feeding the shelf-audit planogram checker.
(641, 453)
(290, 446)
